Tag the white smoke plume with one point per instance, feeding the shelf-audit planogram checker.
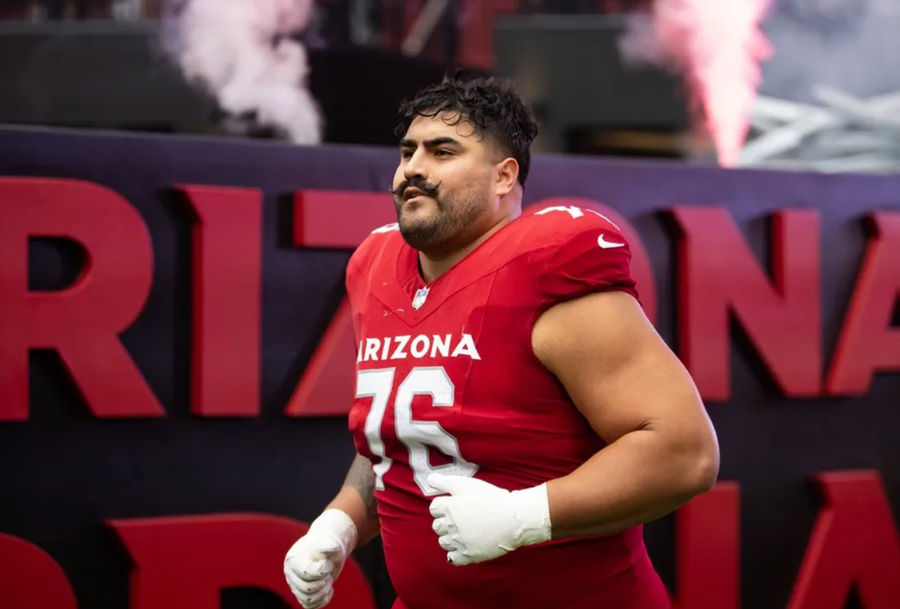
(241, 50)
(717, 45)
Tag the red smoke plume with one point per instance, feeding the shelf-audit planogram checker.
(717, 45)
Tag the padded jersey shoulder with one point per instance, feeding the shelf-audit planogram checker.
(578, 251)
(374, 244)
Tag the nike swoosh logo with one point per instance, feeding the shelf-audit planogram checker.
(602, 242)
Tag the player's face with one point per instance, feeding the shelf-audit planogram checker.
(443, 187)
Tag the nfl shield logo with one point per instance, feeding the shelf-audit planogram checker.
(419, 298)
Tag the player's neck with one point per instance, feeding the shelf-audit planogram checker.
(433, 265)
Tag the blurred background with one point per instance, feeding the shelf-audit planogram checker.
(772, 83)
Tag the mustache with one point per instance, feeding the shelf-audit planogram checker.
(418, 183)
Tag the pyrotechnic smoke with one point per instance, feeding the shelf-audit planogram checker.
(717, 45)
(242, 52)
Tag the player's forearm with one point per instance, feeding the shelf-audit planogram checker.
(640, 477)
(357, 499)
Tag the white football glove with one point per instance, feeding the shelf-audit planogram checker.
(316, 559)
(480, 521)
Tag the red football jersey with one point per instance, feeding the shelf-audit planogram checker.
(447, 381)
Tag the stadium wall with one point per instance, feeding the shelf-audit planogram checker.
(176, 361)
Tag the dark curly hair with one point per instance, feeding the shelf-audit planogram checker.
(491, 104)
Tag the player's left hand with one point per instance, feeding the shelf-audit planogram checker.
(479, 521)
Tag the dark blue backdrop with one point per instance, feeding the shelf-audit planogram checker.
(64, 472)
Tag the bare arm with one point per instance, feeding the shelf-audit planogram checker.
(638, 397)
(357, 499)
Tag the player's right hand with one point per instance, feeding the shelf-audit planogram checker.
(316, 559)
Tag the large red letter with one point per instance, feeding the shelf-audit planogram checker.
(333, 219)
(718, 274)
(707, 552)
(326, 386)
(854, 541)
(184, 562)
(225, 352)
(31, 578)
(339, 219)
(82, 321)
(867, 343)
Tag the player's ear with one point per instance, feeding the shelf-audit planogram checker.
(507, 175)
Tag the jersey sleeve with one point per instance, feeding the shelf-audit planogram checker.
(593, 256)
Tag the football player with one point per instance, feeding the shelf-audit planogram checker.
(517, 417)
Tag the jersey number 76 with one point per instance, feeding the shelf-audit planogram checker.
(417, 436)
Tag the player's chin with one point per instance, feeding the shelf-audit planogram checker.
(416, 216)
(412, 226)
(419, 235)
